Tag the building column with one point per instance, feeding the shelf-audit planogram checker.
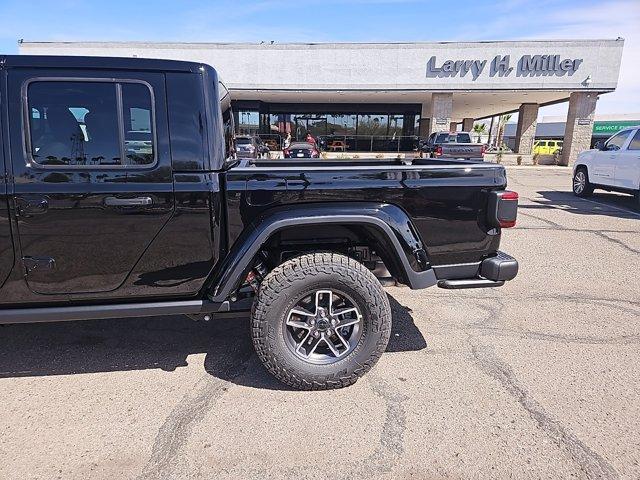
(526, 130)
(579, 126)
(440, 113)
(467, 124)
(424, 123)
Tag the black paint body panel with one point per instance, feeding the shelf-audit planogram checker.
(446, 202)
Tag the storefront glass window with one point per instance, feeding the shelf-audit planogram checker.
(341, 124)
(335, 132)
(373, 124)
(248, 122)
(317, 125)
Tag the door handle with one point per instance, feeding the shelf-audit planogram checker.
(128, 202)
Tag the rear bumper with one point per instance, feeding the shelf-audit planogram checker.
(491, 272)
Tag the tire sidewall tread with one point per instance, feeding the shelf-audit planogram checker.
(588, 187)
(284, 285)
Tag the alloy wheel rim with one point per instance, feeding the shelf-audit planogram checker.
(579, 182)
(323, 327)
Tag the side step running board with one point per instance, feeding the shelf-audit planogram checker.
(470, 283)
(88, 312)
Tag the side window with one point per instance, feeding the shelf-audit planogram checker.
(138, 124)
(83, 124)
(617, 141)
(635, 141)
(73, 123)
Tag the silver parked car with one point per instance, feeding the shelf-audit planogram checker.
(249, 146)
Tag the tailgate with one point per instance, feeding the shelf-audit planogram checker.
(463, 150)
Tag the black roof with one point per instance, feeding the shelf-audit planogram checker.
(102, 63)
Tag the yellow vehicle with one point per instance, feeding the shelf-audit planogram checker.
(547, 147)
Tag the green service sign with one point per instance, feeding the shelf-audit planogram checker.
(611, 127)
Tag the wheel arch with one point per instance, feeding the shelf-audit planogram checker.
(388, 226)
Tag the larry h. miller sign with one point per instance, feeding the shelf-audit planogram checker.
(501, 66)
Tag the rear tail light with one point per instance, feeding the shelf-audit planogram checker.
(503, 208)
(286, 152)
(483, 149)
(438, 151)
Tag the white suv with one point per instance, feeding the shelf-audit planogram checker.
(615, 166)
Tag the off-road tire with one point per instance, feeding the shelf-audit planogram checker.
(588, 187)
(306, 273)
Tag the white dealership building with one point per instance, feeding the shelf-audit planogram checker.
(381, 96)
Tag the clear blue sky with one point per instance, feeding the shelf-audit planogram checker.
(329, 20)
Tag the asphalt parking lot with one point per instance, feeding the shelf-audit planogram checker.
(537, 379)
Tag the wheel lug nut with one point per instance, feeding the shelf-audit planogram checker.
(316, 334)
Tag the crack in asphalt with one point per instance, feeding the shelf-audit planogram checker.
(192, 408)
(590, 462)
(388, 451)
(615, 241)
(391, 442)
(578, 298)
(494, 307)
(548, 222)
(564, 339)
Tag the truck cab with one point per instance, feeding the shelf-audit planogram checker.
(108, 167)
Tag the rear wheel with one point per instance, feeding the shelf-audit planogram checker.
(320, 321)
(581, 185)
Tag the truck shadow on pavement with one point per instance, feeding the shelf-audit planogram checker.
(67, 348)
(601, 203)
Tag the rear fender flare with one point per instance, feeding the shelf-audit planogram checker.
(402, 247)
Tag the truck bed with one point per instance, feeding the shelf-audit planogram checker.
(445, 198)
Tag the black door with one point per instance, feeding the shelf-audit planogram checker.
(93, 186)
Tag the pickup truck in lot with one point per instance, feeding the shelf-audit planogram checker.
(119, 198)
(457, 145)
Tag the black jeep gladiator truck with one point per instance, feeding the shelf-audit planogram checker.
(118, 198)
